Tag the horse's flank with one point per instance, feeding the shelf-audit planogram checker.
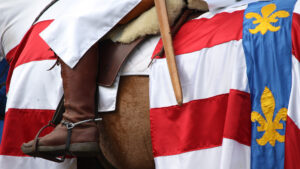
(125, 133)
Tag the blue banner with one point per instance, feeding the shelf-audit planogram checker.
(3, 75)
(268, 49)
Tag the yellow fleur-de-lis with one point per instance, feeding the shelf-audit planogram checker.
(268, 125)
(265, 20)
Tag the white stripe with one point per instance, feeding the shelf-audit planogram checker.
(217, 4)
(294, 106)
(231, 9)
(11, 162)
(203, 74)
(235, 155)
(34, 87)
(231, 155)
(297, 7)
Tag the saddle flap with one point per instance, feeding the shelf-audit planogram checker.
(111, 56)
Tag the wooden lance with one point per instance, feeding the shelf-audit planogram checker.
(165, 31)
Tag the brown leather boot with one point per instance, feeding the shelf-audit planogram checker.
(80, 89)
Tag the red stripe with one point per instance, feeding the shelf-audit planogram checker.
(31, 48)
(292, 145)
(238, 118)
(21, 126)
(205, 33)
(296, 36)
(201, 124)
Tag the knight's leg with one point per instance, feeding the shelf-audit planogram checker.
(79, 86)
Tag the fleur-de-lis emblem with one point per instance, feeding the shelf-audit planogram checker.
(266, 19)
(268, 125)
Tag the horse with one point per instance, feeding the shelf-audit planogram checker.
(125, 143)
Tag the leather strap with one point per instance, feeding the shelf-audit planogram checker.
(68, 141)
(58, 115)
(111, 57)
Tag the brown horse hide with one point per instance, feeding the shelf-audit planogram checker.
(125, 133)
(139, 9)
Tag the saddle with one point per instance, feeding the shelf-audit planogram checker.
(111, 58)
(112, 55)
(140, 23)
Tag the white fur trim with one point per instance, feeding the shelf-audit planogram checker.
(147, 23)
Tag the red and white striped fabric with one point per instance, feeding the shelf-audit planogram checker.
(33, 90)
(30, 103)
(212, 129)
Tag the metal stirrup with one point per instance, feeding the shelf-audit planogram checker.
(71, 125)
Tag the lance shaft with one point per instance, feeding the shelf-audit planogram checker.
(168, 46)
